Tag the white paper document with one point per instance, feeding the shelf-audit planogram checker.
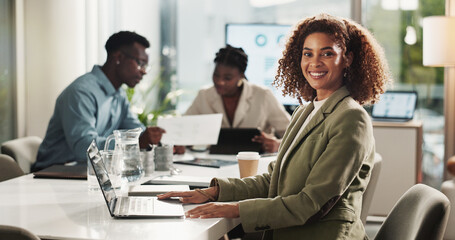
(191, 130)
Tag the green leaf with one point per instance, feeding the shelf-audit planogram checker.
(130, 94)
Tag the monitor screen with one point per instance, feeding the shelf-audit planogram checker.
(395, 105)
(264, 45)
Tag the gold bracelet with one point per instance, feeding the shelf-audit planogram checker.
(205, 194)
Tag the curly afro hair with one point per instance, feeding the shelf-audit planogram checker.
(366, 78)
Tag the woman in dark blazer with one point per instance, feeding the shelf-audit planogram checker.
(314, 189)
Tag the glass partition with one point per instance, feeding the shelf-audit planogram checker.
(398, 27)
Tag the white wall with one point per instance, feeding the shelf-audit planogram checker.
(54, 55)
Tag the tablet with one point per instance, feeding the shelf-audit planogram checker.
(234, 140)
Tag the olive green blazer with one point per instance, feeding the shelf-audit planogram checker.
(317, 193)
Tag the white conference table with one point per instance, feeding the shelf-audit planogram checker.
(66, 209)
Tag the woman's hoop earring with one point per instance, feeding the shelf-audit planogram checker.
(240, 82)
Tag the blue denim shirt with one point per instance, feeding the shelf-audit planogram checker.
(89, 108)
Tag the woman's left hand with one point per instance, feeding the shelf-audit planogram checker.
(215, 210)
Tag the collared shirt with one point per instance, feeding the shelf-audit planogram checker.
(89, 108)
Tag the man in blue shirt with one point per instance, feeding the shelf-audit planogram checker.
(95, 105)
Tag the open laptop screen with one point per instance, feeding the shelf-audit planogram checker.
(101, 174)
(395, 105)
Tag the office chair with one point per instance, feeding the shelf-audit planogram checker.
(16, 233)
(421, 214)
(369, 191)
(9, 168)
(448, 188)
(23, 150)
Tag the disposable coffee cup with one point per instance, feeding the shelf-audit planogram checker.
(248, 163)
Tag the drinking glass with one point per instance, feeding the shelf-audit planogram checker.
(163, 157)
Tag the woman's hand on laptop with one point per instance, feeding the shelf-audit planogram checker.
(195, 196)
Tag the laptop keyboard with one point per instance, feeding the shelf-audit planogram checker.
(137, 205)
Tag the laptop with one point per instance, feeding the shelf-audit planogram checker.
(130, 207)
(396, 106)
(234, 140)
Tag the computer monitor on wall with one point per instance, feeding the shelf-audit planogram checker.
(264, 45)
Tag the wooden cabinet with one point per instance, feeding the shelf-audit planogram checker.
(400, 145)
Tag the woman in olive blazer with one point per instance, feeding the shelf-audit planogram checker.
(314, 189)
(301, 199)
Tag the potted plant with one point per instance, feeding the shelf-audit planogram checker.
(147, 104)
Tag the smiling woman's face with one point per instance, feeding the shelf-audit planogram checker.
(323, 64)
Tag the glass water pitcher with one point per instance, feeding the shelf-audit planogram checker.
(127, 158)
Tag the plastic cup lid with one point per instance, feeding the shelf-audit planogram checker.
(248, 155)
